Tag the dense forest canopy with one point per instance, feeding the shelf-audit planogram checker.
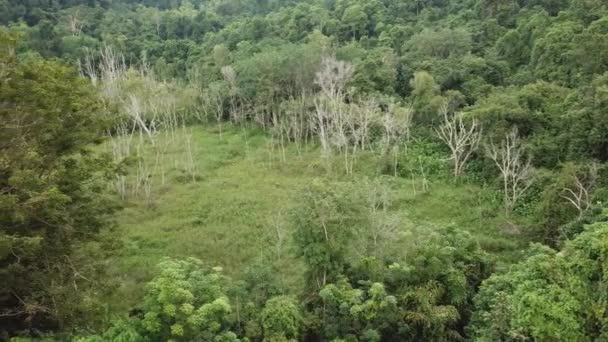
(433, 170)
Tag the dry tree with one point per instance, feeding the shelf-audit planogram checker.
(578, 193)
(229, 76)
(384, 225)
(462, 139)
(75, 24)
(516, 169)
(331, 78)
(396, 122)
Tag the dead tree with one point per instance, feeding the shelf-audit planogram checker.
(75, 25)
(331, 78)
(578, 193)
(384, 225)
(515, 168)
(230, 77)
(396, 123)
(135, 111)
(462, 139)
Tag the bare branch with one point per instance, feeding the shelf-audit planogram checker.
(516, 170)
(462, 140)
(578, 193)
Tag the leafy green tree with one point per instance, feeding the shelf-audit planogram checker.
(427, 296)
(377, 72)
(52, 189)
(186, 302)
(354, 20)
(550, 295)
(363, 314)
(281, 319)
(324, 225)
(426, 97)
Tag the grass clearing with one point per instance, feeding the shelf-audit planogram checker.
(242, 194)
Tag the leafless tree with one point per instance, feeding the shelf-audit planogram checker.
(578, 193)
(112, 67)
(279, 235)
(515, 168)
(190, 161)
(296, 119)
(384, 225)
(75, 24)
(396, 122)
(88, 68)
(120, 145)
(462, 139)
(135, 110)
(230, 77)
(331, 78)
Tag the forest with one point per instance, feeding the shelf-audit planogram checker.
(303, 170)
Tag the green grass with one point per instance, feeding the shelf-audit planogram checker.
(242, 189)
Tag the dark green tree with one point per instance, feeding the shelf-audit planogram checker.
(52, 188)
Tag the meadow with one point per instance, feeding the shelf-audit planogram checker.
(235, 208)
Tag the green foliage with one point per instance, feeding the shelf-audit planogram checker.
(550, 295)
(356, 313)
(53, 190)
(327, 219)
(537, 65)
(281, 319)
(185, 302)
(422, 298)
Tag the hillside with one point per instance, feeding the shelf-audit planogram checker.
(303, 170)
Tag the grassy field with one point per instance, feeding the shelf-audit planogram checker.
(223, 199)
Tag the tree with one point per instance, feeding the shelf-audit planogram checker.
(424, 296)
(444, 43)
(331, 78)
(425, 93)
(355, 19)
(186, 302)
(550, 295)
(578, 192)
(52, 189)
(281, 319)
(462, 140)
(516, 170)
(396, 124)
(324, 225)
(352, 312)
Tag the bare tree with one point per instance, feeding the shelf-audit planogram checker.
(332, 115)
(322, 117)
(384, 225)
(279, 235)
(88, 68)
(112, 67)
(396, 123)
(462, 139)
(135, 110)
(333, 76)
(578, 193)
(230, 77)
(516, 169)
(190, 161)
(75, 24)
